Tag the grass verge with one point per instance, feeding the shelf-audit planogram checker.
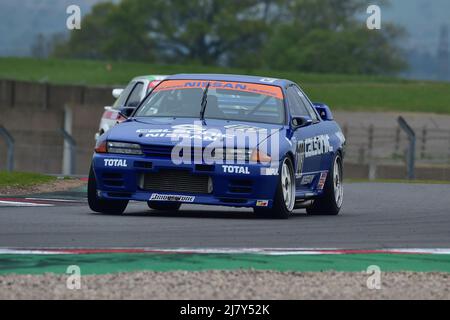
(129, 262)
(23, 179)
(341, 92)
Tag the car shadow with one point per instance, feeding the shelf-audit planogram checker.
(207, 214)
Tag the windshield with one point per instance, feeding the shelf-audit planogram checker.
(225, 100)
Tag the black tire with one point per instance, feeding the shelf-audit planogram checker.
(112, 207)
(327, 204)
(164, 206)
(279, 209)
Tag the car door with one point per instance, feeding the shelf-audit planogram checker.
(323, 131)
(303, 164)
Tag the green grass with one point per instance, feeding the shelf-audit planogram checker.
(133, 262)
(341, 92)
(23, 179)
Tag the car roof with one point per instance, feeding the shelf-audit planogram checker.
(150, 77)
(230, 77)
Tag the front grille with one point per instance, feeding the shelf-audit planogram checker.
(196, 153)
(157, 151)
(165, 152)
(175, 181)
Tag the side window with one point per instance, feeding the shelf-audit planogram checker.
(135, 95)
(120, 102)
(307, 105)
(295, 105)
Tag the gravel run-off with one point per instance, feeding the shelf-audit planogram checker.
(235, 284)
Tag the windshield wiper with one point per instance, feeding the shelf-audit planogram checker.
(204, 102)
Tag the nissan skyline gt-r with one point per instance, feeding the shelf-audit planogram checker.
(129, 98)
(229, 140)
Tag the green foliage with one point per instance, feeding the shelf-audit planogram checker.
(307, 35)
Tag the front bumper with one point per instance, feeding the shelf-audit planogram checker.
(121, 177)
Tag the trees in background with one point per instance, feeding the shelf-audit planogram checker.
(304, 35)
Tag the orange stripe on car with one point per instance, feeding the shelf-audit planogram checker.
(264, 89)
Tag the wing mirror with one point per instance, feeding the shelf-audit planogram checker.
(126, 112)
(300, 122)
(324, 111)
(117, 92)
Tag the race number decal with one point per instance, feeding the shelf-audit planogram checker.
(300, 154)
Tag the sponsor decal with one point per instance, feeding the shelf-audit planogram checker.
(235, 169)
(317, 145)
(322, 180)
(264, 89)
(244, 127)
(307, 179)
(115, 163)
(269, 171)
(262, 203)
(185, 132)
(171, 197)
(200, 132)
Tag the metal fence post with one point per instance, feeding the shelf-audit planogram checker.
(424, 143)
(10, 144)
(370, 142)
(412, 146)
(397, 140)
(70, 141)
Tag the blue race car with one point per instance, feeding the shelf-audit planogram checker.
(229, 140)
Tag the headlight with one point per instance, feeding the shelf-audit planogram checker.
(124, 148)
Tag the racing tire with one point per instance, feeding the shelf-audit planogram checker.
(164, 206)
(111, 207)
(330, 203)
(284, 201)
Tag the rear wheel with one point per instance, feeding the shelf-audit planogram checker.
(285, 195)
(331, 202)
(113, 207)
(164, 206)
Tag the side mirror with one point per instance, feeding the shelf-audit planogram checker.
(117, 92)
(324, 111)
(300, 122)
(126, 112)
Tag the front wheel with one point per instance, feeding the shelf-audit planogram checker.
(285, 195)
(331, 202)
(113, 207)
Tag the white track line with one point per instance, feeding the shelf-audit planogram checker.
(263, 251)
(53, 200)
(22, 204)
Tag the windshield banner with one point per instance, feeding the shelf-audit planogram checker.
(263, 89)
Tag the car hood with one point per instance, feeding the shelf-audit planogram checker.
(173, 131)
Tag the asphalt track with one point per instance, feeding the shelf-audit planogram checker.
(375, 215)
